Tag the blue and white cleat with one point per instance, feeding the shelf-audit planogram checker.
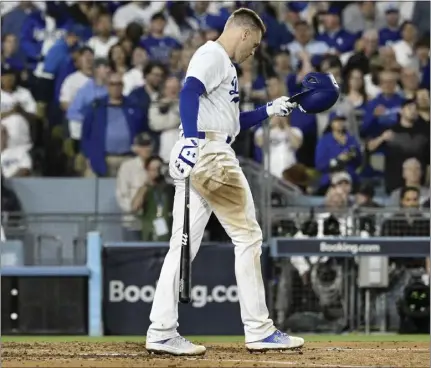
(175, 346)
(276, 341)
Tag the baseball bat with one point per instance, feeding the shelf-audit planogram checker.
(185, 263)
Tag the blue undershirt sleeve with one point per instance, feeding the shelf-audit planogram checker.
(249, 119)
(189, 106)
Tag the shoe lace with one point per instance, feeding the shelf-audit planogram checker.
(181, 339)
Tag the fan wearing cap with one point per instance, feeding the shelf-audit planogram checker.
(57, 65)
(337, 150)
(157, 45)
(18, 108)
(292, 16)
(38, 33)
(337, 39)
(391, 33)
(131, 178)
(342, 181)
(409, 137)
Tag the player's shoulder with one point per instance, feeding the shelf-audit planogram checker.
(210, 50)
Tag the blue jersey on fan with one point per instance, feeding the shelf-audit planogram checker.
(373, 126)
(38, 34)
(213, 21)
(342, 41)
(58, 65)
(388, 36)
(159, 49)
(425, 81)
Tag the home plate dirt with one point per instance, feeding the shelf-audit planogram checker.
(330, 354)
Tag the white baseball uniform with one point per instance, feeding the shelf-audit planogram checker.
(217, 184)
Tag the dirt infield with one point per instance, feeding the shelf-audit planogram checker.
(104, 354)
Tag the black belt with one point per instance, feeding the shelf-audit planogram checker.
(202, 135)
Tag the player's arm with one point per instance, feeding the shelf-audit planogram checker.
(206, 72)
(189, 105)
(280, 107)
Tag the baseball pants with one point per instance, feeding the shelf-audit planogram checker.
(217, 184)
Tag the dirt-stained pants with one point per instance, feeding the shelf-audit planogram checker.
(217, 184)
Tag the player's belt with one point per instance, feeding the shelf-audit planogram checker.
(215, 136)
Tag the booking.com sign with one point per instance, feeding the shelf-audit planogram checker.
(201, 295)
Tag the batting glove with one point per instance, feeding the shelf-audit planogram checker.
(187, 158)
(280, 107)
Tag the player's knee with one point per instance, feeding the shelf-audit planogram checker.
(258, 238)
(251, 240)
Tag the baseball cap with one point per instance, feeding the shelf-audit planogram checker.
(76, 29)
(143, 139)
(391, 8)
(296, 6)
(336, 116)
(333, 10)
(340, 177)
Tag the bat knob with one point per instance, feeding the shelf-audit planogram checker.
(185, 300)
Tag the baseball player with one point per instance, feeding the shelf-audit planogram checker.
(210, 116)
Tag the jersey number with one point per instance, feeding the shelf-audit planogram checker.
(234, 91)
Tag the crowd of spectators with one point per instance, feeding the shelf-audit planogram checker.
(91, 89)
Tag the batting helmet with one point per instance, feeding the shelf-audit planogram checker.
(320, 93)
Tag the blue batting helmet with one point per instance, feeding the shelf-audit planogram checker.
(320, 93)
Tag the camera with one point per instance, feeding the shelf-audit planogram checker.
(414, 307)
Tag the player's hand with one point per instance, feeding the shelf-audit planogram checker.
(187, 158)
(280, 107)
